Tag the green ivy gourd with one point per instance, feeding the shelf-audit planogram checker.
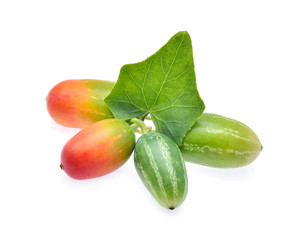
(218, 141)
(161, 168)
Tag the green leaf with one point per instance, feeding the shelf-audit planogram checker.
(163, 85)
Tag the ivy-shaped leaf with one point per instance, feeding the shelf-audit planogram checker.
(163, 85)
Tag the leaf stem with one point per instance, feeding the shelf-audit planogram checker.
(137, 131)
(134, 125)
(148, 117)
(141, 124)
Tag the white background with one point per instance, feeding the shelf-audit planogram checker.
(250, 65)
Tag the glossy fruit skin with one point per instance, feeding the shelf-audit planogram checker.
(98, 149)
(79, 103)
(218, 141)
(159, 164)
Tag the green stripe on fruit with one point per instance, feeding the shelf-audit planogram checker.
(160, 166)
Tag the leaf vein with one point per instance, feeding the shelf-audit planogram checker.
(178, 106)
(161, 63)
(177, 97)
(165, 122)
(144, 80)
(164, 80)
(130, 100)
(175, 78)
(132, 78)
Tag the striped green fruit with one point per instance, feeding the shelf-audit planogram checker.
(161, 168)
(218, 141)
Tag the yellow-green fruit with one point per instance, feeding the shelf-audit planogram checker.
(218, 141)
